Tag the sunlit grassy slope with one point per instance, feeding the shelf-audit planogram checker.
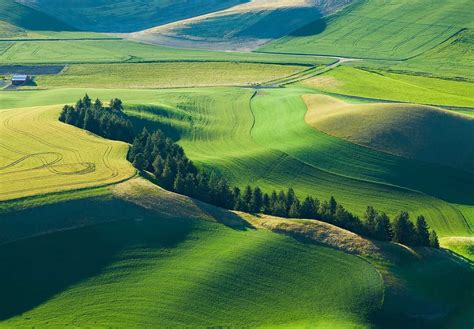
(202, 266)
(26, 18)
(396, 87)
(246, 26)
(439, 60)
(125, 15)
(150, 269)
(165, 75)
(271, 145)
(107, 51)
(38, 155)
(413, 131)
(391, 29)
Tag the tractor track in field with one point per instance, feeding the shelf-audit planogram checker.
(52, 161)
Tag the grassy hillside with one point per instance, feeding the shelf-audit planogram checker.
(41, 155)
(125, 15)
(202, 266)
(24, 17)
(270, 144)
(247, 26)
(166, 75)
(413, 131)
(385, 30)
(150, 269)
(106, 51)
(438, 61)
(395, 87)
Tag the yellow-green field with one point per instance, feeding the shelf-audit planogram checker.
(166, 75)
(40, 155)
(395, 87)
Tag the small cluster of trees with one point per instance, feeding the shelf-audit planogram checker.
(109, 122)
(156, 153)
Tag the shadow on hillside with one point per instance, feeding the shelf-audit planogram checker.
(36, 269)
(224, 216)
(316, 27)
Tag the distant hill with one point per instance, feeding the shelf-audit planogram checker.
(15, 17)
(392, 29)
(126, 15)
(243, 27)
(414, 131)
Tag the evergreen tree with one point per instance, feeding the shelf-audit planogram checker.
(273, 201)
(168, 176)
(295, 209)
(332, 206)
(179, 183)
(116, 104)
(98, 104)
(423, 234)
(383, 228)
(256, 203)
(87, 101)
(308, 208)
(434, 243)
(266, 204)
(404, 230)
(139, 162)
(370, 217)
(236, 194)
(279, 209)
(247, 198)
(290, 198)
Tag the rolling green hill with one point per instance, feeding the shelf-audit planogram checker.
(150, 269)
(125, 15)
(26, 18)
(263, 139)
(384, 30)
(202, 266)
(413, 131)
(243, 27)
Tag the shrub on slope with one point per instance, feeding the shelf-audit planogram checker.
(414, 131)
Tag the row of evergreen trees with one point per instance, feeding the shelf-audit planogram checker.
(109, 122)
(156, 153)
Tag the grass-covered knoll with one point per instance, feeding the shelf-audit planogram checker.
(107, 51)
(244, 27)
(166, 75)
(39, 155)
(413, 131)
(463, 246)
(396, 87)
(270, 145)
(24, 17)
(151, 270)
(381, 29)
(203, 266)
(125, 15)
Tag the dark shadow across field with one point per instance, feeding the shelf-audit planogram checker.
(36, 269)
(31, 69)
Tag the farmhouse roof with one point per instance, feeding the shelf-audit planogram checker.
(20, 77)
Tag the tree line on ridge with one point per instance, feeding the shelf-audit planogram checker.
(156, 153)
